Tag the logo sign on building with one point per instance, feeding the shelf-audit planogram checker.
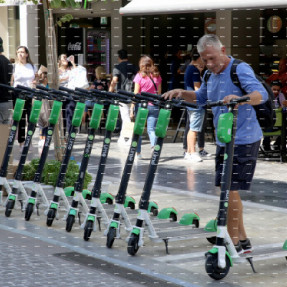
(74, 41)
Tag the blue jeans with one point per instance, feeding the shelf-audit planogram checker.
(153, 112)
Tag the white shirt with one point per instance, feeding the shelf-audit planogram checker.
(24, 75)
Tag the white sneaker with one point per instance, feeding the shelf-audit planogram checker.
(194, 157)
(186, 155)
(139, 156)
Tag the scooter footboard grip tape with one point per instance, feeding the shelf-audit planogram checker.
(35, 113)
(55, 112)
(140, 121)
(78, 114)
(162, 123)
(18, 110)
(96, 116)
(112, 118)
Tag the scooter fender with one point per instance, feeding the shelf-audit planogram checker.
(130, 202)
(32, 200)
(211, 226)
(152, 204)
(114, 224)
(87, 194)
(188, 219)
(285, 245)
(166, 212)
(105, 196)
(73, 211)
(69, 191)
(221, 250)
(136, 231)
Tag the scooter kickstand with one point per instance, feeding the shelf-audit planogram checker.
(249, 259)
(99, 223)
(79, 217)
(166, 245)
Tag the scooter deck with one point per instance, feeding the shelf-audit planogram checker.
(176, 232)
(264, 253)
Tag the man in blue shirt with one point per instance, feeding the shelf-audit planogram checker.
(248, 134)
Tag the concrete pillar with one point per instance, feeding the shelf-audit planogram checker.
(224, 28)
(116, 32)
(29, 30)
(4, 29)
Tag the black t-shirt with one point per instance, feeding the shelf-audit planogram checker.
(122, 70)
(6, 69)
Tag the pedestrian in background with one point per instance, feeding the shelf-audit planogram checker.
(147, 80)
(24, 74)
(123, 75)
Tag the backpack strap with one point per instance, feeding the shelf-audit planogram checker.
(234, 76)
(206, 76)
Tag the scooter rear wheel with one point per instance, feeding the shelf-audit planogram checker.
(111, 237)
(29, 211)
(51, 216)
(133, 244)
(154, 211)
(9, 207)
(89, 226)
(70, 222)
(212, 268)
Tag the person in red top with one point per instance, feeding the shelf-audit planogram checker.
(147, 80)
(281, 76)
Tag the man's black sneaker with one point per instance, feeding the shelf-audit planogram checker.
(246, 245)
(239, 248)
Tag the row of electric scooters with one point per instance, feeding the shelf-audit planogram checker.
(218, 260)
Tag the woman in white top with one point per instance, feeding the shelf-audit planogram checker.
(64, 73)
(25, 74)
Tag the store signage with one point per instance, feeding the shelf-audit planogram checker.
(75, 47)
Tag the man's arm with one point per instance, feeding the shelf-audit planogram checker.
(188, 96)
(255, 98)
(113, 84)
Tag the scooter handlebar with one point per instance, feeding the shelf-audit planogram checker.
(16, 90)
(232, 102)
(114, 96)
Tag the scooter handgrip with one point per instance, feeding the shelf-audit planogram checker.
(214, 104)
(7, 87)
(40, 87)
(155, 96)
(66, 90)
(25, 88)
(126, 93)
(140, 97)
(182, 103)
(83, 91)
(240, 100)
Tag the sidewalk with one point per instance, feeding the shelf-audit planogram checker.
(188, 188)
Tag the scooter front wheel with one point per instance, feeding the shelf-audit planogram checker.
(133, 244)
(89, 226)
(29, 211)
(70, 222)
(9, 207)
(212, 268)
(51, 216)
(111, 237)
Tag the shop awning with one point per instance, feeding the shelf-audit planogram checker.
(145, 7)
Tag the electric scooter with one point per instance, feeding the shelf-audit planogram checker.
(78, 187)
(52, 211)
(37, 190)
(187, 227)
(221, 257)
(121, 199)
(113, 230)
(79, 196)
(17, 115)
(18, 190)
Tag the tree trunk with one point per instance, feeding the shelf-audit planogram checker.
(53, 78)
